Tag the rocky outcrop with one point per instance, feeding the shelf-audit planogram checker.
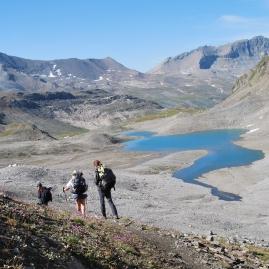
(2, 118)
(55, 114)
(23, 104)
(49, 96)
(257, 46)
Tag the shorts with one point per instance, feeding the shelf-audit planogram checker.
(80, 196)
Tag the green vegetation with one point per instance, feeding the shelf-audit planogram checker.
(72, 240)
(13, 128)
(259, 70)
(16, 128)
(160, 168)
(167, 113)
(78, 221)
(254, 76)
(260, 252)
(70, 133)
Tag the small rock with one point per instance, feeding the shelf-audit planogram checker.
(210, 238)
(16, 251)
(201, 245)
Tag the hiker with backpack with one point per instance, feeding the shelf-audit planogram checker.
(44, 194)
(105, 180)
(77, 185)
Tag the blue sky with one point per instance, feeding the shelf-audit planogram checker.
(137, 33)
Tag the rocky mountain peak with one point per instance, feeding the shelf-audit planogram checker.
(257, 46)
(208, 57)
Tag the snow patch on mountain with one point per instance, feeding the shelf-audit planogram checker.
(51, 75)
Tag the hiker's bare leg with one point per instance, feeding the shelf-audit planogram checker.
(78, 205)
(83, 207)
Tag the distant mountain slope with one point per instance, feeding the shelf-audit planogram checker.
(200, 78)
(55, 114)
(236, 57)
(249, 102)
(88, 68)
(21, 74)
(247, 107)
(205, 76)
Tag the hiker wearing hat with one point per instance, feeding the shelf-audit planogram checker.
(105, 180)
(44, 194)
(77, 185)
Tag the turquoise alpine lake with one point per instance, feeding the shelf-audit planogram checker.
(221, 153)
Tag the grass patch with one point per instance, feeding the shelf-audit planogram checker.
(72, 240)
(15, 128)
(167, 113)
(129, 249)
(78, 221)
(260, 69)
(12, 128)
(260, 252)
(160, 168)
(77, 131)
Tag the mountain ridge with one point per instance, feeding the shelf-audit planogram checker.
(200, 78)
(245, 47)
(32, 66)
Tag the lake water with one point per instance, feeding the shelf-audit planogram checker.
(222, 152)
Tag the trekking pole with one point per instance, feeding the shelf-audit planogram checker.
(65, 195)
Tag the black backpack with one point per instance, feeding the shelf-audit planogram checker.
(46, 196)
(108, 180)
(79, 185)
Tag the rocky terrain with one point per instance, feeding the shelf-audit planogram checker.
(54, 115)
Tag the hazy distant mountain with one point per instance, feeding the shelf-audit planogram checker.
(235, 57)
(89, 68)
(200, 78)
(24, 74)
(48, 98)
(205, 76)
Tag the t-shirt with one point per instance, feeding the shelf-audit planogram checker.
(70, 184)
